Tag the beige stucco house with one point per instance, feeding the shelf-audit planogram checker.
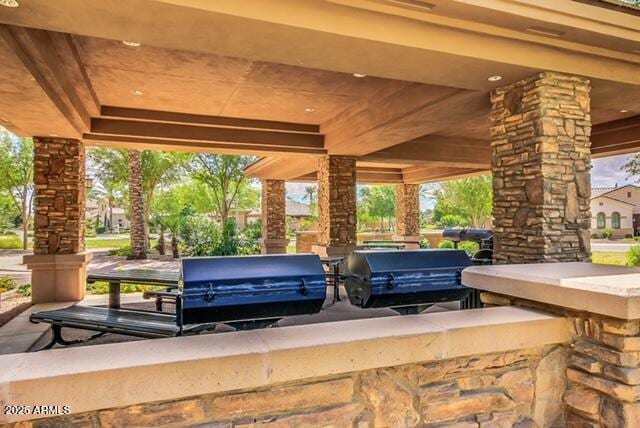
(617, 208)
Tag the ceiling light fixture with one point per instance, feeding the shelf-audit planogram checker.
(494, 78)
(624, 110)
(53, 135)
(310, 109)
(136, 92)
(9, 3)
(545, 31)
(131, 44)
(359, 75)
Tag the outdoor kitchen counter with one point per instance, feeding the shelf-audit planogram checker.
(600, 289)
(125, 374)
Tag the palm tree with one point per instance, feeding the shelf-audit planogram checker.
(310, 195)
(136, 198)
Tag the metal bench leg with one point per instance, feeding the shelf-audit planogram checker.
(159, 304)
(56, 338)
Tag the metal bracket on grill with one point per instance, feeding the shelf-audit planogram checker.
(303, 290)
(392, 283)
(210, 294)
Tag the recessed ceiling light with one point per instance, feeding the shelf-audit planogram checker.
(359, 75)
(310, 109)
(545, 31)
(9, 3)
(132, 44)
(624, 110)
(136, 92)
(494, 78)
(53, 135)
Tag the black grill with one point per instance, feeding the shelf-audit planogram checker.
(406, 281)
(251, 291)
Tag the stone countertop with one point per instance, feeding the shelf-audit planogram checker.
(601, 289)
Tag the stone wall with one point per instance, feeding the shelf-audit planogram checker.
(603, 374)
(305, 240)
(541, 169)
(59, 176)
(408, 209)
(519, 388)
(337, 201)
(274, 222)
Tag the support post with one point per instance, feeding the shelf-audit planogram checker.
(337, 205)
(541, 163)
(58, 265)
(408, 215)
(274, 221)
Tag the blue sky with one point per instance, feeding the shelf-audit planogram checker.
(605, 173)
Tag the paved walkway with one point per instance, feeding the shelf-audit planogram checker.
(617, 247)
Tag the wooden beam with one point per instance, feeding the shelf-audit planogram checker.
(420, 175)
(171, 131)
(195, 146)
(412, 111)
(436, 150)
(365, 175)
(282, 168)
(616, 137)
(199, 119)
(53, 61)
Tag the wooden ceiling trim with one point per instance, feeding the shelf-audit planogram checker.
(198, 119)
(170, 131)
(196, 146)
(417, 175)
(617, 137)
(52, 61)
(435, 150)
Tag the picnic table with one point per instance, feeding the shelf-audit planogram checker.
(133, 276)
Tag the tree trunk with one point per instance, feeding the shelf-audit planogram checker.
(174, 246)
(110, 216)
(160, 246)
(136, 197)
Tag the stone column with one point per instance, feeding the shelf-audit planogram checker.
(337, 205)
(408, 215)
(274, 220)
(541, 169)
(58, 266)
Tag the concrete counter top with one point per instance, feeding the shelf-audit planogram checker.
(601, 289)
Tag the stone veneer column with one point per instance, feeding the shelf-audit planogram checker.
(408, 215)
(337, 205)
(58, 266)
(274, 221)
(541, 169)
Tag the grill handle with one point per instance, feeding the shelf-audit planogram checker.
(303, 289)
(210, 294)
(392, 282)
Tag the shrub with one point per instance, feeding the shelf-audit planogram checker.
(425, 244)
(446, 244)
(7, 284)
(633, 256)
(628, 236)
(25, 290)
(470, 247)
(200, 236)
(103, 288)
(100, 230)
(608, 233)
(453, 220)
(594, 236)
(10, 242)
(89, 233)
(122, 251)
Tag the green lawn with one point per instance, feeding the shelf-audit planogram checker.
(107, 243)
(609, 257)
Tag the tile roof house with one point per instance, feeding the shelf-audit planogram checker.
(616, 208)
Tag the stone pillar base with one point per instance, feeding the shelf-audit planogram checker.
(274, 246)
(57, 277)
(337, 251)
(411, 242)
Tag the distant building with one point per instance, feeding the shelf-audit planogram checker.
(100, 210)
(297, 212)
(616, 208)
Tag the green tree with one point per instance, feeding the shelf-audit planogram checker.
(379, 202)
(469, 198)
(632, 167)
(16, 179)
(311, 194)
(224, 176)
